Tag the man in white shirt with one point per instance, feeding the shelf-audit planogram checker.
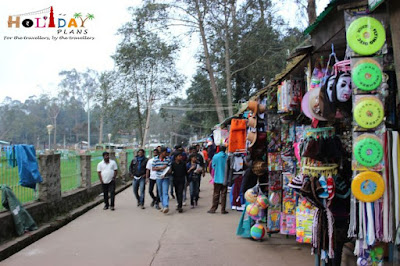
(107, 171)
(152, 176)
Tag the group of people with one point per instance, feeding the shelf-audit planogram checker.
(170, 171)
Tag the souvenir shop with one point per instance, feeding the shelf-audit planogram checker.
(315, 154)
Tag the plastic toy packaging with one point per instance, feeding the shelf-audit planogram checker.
(368, 112)
(318, 74)
(368, 186)
(368, 151)
(367, 76)
(365, 34)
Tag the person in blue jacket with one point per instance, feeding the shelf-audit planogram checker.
(219, 163)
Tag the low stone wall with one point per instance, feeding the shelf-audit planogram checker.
(52, 203)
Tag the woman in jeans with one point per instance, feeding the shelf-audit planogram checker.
(194, 171)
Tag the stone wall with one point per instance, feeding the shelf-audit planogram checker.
(52, 203)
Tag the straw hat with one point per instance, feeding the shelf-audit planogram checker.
(253, 107)
(259, 168)
(252, 121)
(314, 105)
(251, 137)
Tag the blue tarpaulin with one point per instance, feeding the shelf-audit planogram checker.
(28, 168)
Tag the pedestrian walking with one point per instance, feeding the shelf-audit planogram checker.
(161, 166)
(194, 171)
(137, 170)
(152, 177)
(107, 170)
(178, 168)
(171, 177)
(219, 163)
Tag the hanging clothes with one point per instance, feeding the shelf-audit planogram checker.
(28, 168)
(237, 135)
(22, 219)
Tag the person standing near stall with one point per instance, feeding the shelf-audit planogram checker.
(219, 164)
(107, 170)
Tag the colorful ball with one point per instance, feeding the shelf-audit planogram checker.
(252, 210)
(262, 200)
(257, 231)
(250, 196)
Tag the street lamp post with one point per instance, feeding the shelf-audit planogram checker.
(109, 141)
(49, 129)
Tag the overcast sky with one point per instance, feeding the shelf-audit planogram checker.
(31, 67)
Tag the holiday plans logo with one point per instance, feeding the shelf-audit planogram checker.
(64, 27)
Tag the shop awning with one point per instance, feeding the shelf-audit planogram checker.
(321, 17)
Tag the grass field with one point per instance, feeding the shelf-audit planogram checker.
(70, 174)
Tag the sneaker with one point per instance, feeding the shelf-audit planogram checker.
(180, 210)
(143, 207)
(324, 185)
(105, 208)
(192, 206)
(161, 209)
(184, 203)
(166, 210)
(210, 211)
(157, 207)
(138, 204)
(224, 212)
(152, 203)
(112, 208)
(331, 187)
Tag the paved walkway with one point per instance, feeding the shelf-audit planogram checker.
(132, 236)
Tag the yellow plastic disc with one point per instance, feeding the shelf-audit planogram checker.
(366, 35)
(368, 186)
(368, 112)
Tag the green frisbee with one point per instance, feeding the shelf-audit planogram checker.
(366, 35)
(368, 152)
(367, 75)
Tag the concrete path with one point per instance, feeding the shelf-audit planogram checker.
(132, 236)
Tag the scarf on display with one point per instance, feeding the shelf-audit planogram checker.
(323, 221)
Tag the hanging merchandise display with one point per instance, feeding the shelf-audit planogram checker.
(368, 150)
(368, 111)
(305, 105)
(366, 35)
(367, 74)
(237, 135)
(368, 186)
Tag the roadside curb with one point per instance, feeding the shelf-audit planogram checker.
(13, 246)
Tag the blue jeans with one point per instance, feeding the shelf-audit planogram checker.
(194, 190)
(139, 183)
(162, 186)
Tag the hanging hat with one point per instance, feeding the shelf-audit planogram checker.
(253, 107)
(252, 121)
(251, 137)
(259, 168)
(314, 104)
(261, 110)
(305, 106)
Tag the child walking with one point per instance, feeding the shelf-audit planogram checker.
(194, 171)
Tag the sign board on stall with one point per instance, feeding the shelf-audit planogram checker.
(373, 4)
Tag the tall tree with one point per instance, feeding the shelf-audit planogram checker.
(148, 66)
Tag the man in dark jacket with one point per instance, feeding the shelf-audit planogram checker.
(179, 173)
(137, 170)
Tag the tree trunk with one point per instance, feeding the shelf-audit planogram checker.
(139, 117)
(311, 11)
(146, 129)
(227, 61)
(101, 128)
(214, 89)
